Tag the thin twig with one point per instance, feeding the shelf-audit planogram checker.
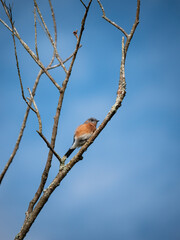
(77, 48)
(49, 145)
(111, 22)
(50, 37)
(83, 4)
(5, 24)
(43, 28)
(54, 22)
(136, 22)
(67, 59)
(35, 29)
(48, 68)
(117, 26)
(37, 111)
(17, 62)
(75, 34)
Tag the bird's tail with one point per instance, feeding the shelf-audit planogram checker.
(69, 152)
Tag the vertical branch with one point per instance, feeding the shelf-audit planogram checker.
(49, 35)
(36, 110)
(136, 22)
(18, 69)
(54, 22)
(122, 83)
(77, 47)
(35, 30)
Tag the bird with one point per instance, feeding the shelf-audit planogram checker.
(82, 133)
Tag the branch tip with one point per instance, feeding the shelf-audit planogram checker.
(75, 34)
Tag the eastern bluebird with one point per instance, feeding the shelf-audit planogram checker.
(82, 134)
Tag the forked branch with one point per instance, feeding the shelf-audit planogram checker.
(32, 54)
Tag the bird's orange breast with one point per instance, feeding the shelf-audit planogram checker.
(85, 128)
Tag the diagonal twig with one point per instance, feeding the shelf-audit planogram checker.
(111, 22)
(40, 126)
(17, 62)
(83, 4)
(49, 145)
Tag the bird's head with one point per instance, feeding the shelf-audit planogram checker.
(92, 120)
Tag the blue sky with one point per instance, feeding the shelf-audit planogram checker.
(127, 186)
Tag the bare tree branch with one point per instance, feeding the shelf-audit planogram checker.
(111, 22)
(67, 59)
(49, 146)
(40, 126)
(77, 48)
(32, 54)
(54, 22)
(49, 35)
(136, 22)
(18, 69)
(35, 30)
(36, 110)
(5, 24)
(83, 3)
(16, 57)
(75, 34)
